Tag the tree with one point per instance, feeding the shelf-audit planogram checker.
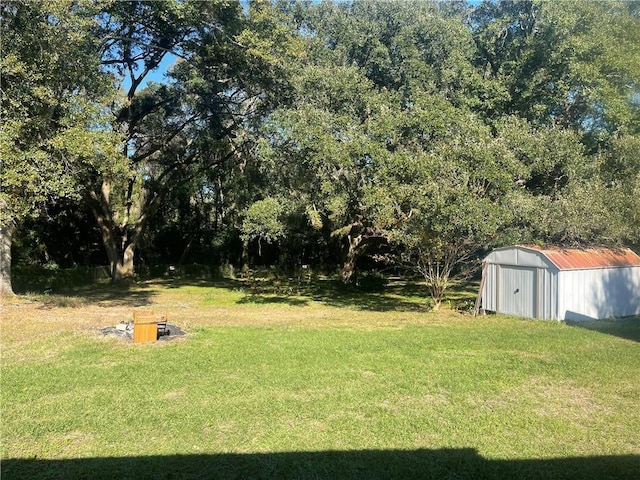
(619, 181)
(175, 131)
(571, 63)
(564, 199)
(436, 129)
(53, 111)
(322, 154)
(451, 184)
(263, 221)
(196, 221)
(409, 46)
(135, 38)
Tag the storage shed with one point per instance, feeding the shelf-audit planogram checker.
(561, 284)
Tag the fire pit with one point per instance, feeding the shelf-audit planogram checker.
(124, 330)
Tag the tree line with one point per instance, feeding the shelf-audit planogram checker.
(411, 134)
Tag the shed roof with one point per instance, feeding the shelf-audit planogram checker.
(583, 259)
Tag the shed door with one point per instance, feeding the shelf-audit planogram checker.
(517, 292)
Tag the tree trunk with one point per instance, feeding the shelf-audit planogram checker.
(349, 264)
(6, 239)
(437, 285)
(437, 301)
(185, 252)
(127, 261)
(120, 247)
(245, 256)
(121, 263)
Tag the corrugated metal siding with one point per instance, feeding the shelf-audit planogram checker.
(517, 291)
(546, 294)
(489, 292)
(578, 293)
(599, 293)
(554, 296)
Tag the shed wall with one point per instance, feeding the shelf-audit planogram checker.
(489, 289)
(548, 297)
(577, 294)
(598, 293)
(497, 294)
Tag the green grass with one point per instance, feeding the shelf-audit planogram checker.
(350, 387)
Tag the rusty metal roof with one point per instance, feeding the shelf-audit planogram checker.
(582, 259)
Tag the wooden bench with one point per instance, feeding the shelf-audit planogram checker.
(148, 326)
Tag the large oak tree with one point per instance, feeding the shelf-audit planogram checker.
(54, 123)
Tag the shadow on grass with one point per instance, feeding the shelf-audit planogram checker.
(128, 295)
(266, 300)
(397, 295)
(324, 290)
(364, 464)
(628, 328)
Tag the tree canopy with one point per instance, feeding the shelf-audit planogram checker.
(54, 110)
(361, 134)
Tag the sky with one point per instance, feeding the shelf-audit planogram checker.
(157, 75)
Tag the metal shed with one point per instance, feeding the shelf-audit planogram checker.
(561, 284)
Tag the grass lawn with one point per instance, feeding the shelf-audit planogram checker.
(322, 384)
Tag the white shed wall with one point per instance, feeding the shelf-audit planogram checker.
(548, 297)
(598, 293)
(489, 290)
(518, 257)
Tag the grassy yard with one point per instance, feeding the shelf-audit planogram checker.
(316, 384)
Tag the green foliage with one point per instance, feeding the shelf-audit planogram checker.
(406, 46)
(54, 100)
(263, 220)
(450, 193)
(621, 192)
(323, 154)
(425, 131)
(574, 63)
(50, 278)
(372, 281)
(232, 65)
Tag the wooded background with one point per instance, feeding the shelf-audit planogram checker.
(355, 135)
